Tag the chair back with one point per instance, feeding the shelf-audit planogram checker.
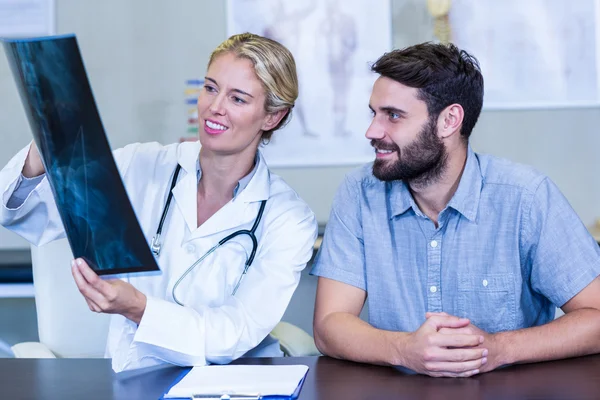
(65, 323)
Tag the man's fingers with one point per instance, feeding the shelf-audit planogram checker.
(446, 374)
(457, 331)
(445, 340)
(460, 355)
(467, 374)
(429, 314)
(455, 354)
(442, 321)
(444, 367)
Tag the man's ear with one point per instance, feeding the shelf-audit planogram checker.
(273, 119)
(450, 120)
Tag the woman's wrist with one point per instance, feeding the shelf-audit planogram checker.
(136, 312)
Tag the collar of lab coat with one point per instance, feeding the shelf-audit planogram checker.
(232, 213)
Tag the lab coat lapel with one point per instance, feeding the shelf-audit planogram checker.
(230, 216)
(185, 192)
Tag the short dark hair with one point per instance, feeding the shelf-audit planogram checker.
(443, 74)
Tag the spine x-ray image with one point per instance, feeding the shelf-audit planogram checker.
(95, 210)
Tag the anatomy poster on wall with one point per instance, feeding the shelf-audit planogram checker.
(533, 54)
(334, 42)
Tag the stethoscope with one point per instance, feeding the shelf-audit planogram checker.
(156, 245)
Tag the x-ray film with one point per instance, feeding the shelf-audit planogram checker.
(94, 207)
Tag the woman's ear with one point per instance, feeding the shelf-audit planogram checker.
(273, 119)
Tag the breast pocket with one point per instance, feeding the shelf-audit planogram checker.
(488, 301)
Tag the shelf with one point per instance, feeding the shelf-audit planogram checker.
(16, 290)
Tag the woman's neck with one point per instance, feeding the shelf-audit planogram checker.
(220, 175)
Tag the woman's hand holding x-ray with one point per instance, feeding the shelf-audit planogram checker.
(108, 296)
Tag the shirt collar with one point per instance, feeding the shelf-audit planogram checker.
(467, 195)
(465, 199)
(400, 198)
(256, 187)
(242, 183)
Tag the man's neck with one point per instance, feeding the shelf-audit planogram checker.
(433, 197)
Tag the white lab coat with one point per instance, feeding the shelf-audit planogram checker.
(213, 326)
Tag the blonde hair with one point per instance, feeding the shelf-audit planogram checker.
(274, 66)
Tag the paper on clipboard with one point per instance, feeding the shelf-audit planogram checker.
(251, 380)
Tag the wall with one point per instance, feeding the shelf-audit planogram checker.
(138, 57)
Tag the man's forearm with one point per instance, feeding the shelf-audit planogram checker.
(574, 334)
(345, 336)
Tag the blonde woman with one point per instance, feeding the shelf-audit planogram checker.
(206, 306)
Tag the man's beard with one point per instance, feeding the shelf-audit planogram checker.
(420, 163)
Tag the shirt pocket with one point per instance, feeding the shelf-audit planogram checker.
(488, 300)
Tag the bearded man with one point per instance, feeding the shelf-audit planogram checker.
(462, 257)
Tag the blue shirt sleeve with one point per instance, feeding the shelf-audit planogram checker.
(24, 187)
(341, 256)
(563, 256)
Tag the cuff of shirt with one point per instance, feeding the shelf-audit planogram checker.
(23, 188)
(574, 286)
(339, 275)
(11, 175)
(16, 188)
(151, 325)
(173, 332)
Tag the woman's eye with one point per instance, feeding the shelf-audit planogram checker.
(239, 100)
(209, 88)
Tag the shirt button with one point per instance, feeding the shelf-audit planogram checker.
(433, 289)
(485, 282)
(433, 243)
(190, 248)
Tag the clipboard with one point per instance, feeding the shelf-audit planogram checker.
(233, 396)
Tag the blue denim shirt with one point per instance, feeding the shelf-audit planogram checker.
(509, 248)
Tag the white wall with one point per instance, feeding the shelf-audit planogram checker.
(138, 55)
(562, 143)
